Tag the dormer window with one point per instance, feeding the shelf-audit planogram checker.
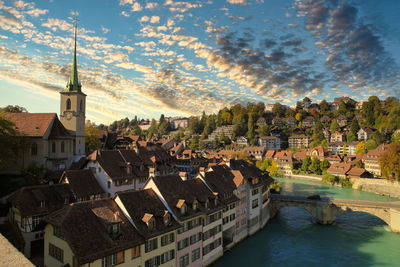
(114, 230)
(42, 203)
(206, 204)
(183, 209)
(149, 220)
(195, 205)
(167, 219)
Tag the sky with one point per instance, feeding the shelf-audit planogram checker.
(180, 58)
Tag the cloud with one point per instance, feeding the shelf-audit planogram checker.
(104, 29)
(155, 19)
(37, 12)
(237, 2)
(151, 5)
(125, 14)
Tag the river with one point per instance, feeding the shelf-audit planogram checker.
(293, 239)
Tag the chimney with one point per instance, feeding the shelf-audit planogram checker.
(202, 171)
(183, 176)
(128, 168)
(152, 172)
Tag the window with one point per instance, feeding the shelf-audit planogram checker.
(183, 209)
(211, 246)
(57, 232)
(254, 203)
(232, 217)
(56, 253)
(35, 221)
(167, 219)
(53, 147)
(184, 260)
(167, 239)
(153, 262)
(183, 243)
(254, 192)
(108, 184)
(195, 205)
(195, 238)
(167, 256)
(42, 203)
(243, 200)
(135, 252)
(109, 260)
(212, 232)
(150, 245)
(195, 254)
(34, 149)
(62, 147)
(68, 104)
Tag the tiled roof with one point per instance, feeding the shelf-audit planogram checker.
(174, 190)
(84, 227)
(251, 173)
(83, 183)
(138, 203)
(356, 171)
(339, 168)
(27, 199)
(35, 124)
(58, 130)
(220, 179)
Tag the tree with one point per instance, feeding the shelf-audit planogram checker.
(278, 110)
(360, 148)
(92, 141)
(13, 109)
(334, 126)
(10, 142)
(298, 117)
(270, 166)
(306, 163)
(152, 130)
(324, 165)
(194, 142)
(370, 144)
(250, 127)
(350, 137)
(324, 107)
(136, 130)
(315, 166)
(390, 162)
(354, 127)
(342, 108)
(345, 149)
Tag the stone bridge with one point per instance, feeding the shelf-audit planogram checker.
(326, 210)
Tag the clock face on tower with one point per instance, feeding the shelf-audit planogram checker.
(68, 116)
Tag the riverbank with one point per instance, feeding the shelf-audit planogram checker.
(377, 186)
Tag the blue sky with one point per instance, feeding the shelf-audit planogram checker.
(146, 58)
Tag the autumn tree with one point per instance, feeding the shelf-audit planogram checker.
(92, 141)
(13, 109)
(360, 148)
(390, 162)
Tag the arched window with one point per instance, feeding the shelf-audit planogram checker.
(53, 147)
(62, 147)
(81, 106)
(68, 104)
(34, 149)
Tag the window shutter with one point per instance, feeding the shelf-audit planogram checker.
(120, 257)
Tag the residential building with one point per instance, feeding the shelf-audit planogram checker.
(189, 201)
(219, 180)
(341, 120)
(277, 121)
(261, 122)
(338, 137)
(339, 169)
(241, 193)
(318, 152)
(225, 130)
(92, 233)
(285, 162)
(299, 141)
(365, 133)
(242, 141)
(343, 148)
(83, 185)
(291, 122)
(177, 123)
(327, 134)
(152, 219)
(308, 121)
(258, 196)
(325, 119)
(29, 205)
(255, 152)
(371, 160)
(270, 142)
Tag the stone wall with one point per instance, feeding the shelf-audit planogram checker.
(377, 186)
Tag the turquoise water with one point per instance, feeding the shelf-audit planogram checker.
(293, 239)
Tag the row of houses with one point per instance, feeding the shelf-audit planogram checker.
(170, 221)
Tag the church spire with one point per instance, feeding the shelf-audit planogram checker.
(73, 83)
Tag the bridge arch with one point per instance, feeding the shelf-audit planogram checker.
(280, 205)
(383, 214)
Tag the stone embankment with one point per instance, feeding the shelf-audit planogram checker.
(378, 186)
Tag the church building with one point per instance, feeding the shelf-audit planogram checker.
(51, 142)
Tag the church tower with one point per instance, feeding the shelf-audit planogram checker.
(73, 108)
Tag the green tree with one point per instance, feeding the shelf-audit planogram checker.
(13, 109)
(390, 162)
(195, 143)
(306, 163)
(315, 166)
(324, 107)
(11, 143)
(278, 110)
(250, 127)
(92, 141)
(136, 130)
(334, 126)
(324, 165)
(153, 129)
(370, 144)
(350, 137)
(354, 127)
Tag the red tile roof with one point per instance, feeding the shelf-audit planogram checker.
(31, 124)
